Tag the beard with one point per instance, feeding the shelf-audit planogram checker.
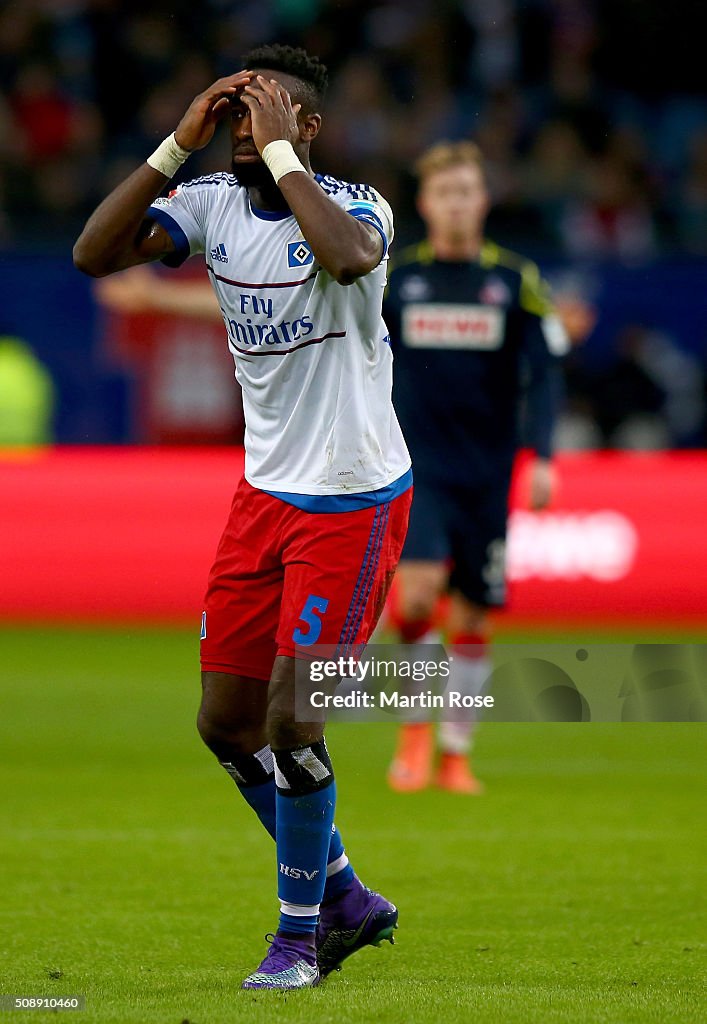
(253, 174)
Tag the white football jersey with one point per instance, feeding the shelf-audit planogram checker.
(312, 356)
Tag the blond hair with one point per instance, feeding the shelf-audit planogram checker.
(444, 155)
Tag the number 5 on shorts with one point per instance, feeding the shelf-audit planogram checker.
(313, 607)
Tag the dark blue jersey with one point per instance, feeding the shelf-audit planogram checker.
(475, 342)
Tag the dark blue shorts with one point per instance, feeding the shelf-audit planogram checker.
(465, 528)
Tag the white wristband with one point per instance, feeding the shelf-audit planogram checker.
(168, 157)
(280, 158)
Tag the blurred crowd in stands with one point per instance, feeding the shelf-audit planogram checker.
(650, 397)
(592, 115)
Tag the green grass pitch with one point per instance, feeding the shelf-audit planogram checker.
(132, 873)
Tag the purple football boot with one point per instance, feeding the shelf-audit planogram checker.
(358, 917)
(290, 963)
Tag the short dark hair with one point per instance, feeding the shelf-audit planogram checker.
(296, 62)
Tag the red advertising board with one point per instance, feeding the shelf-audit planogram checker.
(128, 535)
(625, 539)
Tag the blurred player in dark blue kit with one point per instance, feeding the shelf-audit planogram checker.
(476, 348)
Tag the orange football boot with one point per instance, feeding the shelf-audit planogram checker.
(411, 769)
(455, 775)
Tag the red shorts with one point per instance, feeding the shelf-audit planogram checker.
(284, 578)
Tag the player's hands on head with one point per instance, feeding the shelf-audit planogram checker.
(197, 127)
(273, 116)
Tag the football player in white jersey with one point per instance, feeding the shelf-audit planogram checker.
(297, 261)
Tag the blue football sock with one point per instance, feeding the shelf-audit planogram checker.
(304, 813)
(261, 797)
(340, 874)
(297, 925)
(303, 826)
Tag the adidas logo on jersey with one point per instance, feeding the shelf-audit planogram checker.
(219, 253)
